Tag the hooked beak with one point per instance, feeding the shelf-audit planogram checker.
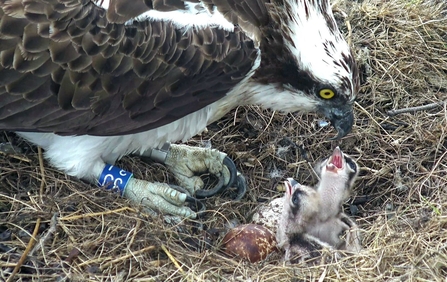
(290, 182)
(342, 118)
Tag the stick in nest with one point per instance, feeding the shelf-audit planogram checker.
(427, 107)
(51, 230)
(172, 258)
(25, 253)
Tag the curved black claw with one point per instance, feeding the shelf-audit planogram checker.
(241, 186)
(194, 204)
(202, 193)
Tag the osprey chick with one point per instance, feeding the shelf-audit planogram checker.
(313, 218)
(91, 82)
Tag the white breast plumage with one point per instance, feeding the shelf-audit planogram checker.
(91, 81)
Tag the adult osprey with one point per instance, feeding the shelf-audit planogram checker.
(90, 82)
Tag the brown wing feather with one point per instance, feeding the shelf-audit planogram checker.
(251, 15)
(120, 11)
(100, 78)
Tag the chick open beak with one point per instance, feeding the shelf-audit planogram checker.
(335, 161)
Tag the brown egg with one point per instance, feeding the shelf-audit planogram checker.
(250, 241)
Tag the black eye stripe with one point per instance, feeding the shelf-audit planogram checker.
(351, 163)
(296, 200)
(296, 197)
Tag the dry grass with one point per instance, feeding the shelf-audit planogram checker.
(401, 46)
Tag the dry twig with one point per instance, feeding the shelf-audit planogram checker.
(427, 107)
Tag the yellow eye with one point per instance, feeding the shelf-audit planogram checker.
(326, 93)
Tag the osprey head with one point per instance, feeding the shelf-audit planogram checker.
(300, 202)
(337, 176)
(304, 53)
(340, 166)
(300, 206)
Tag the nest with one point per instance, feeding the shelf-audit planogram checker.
(87, 234)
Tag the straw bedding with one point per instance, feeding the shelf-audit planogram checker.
(87, 234)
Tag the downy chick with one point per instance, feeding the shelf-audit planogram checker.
(301, 206)
(337, 176)
(312, 218)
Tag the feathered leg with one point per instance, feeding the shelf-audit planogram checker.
(91, 158)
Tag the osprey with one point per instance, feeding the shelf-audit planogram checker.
(90, 81)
